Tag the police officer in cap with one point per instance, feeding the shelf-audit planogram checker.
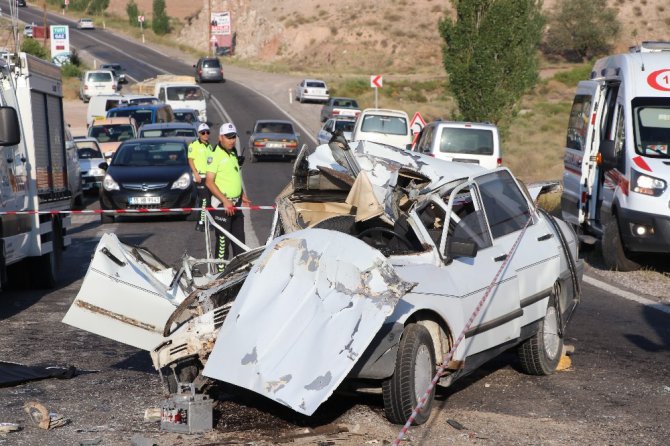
(201, 152)
(224, 181)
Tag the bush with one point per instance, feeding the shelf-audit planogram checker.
(70, 70)
(573, 76)
(133, 12)
(161, 22)
(32, 46)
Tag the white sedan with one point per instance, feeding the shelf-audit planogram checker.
(313, 90)
(85, 23)
(384, 266)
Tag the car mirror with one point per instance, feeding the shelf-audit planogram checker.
(103, 166)
(461, 248)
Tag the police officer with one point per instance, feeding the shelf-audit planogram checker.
(200, 152)
(224, 181)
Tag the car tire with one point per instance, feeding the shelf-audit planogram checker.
(614, 253)
(540, 354)
(106, 218)
(414, 371)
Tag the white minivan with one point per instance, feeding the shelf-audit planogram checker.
(617, 156)
(183, 95)
(95, 82)
(383, 126)
(465, 142)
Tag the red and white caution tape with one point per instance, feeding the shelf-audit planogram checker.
(133, 211)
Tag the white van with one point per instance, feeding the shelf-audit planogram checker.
(95, 82)
(384, 126)
(99, 105)
(617, 156)
(465, 142)
(183, 95)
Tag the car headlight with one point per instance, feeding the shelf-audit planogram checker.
(644, 184)
(183, 182)
(109, 184)
(96, 172)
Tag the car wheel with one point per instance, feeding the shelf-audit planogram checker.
(106, 218)
(185, 371)
(414, 370)
(540, 354)
(614, 253)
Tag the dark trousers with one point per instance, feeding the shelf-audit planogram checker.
(233, 224)
(204, 198)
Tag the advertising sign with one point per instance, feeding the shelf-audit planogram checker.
(60, 44)
(222, 37)
(221, 23)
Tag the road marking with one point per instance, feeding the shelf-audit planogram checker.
(627, 295)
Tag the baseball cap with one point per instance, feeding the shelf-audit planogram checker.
(227, 128)
(202, 127)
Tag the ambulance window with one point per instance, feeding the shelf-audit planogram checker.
(607, 121)
(578, 123)
(651, 127)
(619, 139)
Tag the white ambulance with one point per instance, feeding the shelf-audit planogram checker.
(617, 156)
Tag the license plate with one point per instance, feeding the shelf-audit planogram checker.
(144, 200)
(274, 145)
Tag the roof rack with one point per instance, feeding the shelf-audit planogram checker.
(650, 46)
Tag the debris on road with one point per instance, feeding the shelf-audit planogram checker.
(9, 427)
(12, 373)
(42, 418)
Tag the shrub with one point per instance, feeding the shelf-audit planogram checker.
(32, 46)
(70, 70)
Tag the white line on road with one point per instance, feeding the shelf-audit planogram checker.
(627, 295)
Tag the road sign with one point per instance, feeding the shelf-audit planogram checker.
(376, 81)
(417, 124)
(140, 18)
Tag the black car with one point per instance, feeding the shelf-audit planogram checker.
(21, 3)
(150, 173)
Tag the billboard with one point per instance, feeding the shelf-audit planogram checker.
(222, 32)
(60, 44)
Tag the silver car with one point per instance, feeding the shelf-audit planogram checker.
(333, 125)
(90, 158)
(273, 138)
(208, 69)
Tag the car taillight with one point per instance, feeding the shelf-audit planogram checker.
(292, 144)
(499, 162)
(259, 143)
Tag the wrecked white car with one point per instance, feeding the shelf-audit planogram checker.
(379, 263)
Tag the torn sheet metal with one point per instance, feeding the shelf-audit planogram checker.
(124, 299)
(307, 311)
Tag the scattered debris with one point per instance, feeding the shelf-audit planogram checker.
(187, 413)
(152, 414)
(90, 442)
(565, 363)
(42, 417)
(666, 388)
(456, 425)
(139, 440)
(12, 373)
(9, 427)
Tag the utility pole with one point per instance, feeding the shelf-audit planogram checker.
(46, 29)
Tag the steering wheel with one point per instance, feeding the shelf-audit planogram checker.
(380, 230)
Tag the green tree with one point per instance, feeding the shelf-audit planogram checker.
(581, 29)
(133, 12)
(161, 22)
(32, 46)
(491, 56)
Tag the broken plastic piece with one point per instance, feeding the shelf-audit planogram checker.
(9, 427)
(42, 417)
(456, 425)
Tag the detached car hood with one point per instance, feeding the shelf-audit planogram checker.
(308, 309)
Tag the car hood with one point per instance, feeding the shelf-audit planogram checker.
(146, 174)
(308, 309)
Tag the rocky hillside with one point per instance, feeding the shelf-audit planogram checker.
(350, 36)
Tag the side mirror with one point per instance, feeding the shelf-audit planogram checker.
(608, 153)
(461, 248)
(103, 166)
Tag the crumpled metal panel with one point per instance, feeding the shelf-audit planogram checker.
(307, 311)
(126, 301)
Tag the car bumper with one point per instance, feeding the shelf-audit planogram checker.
(169, 198)
(91, 182)
(284, 152)
(657, 241)
(315, 97)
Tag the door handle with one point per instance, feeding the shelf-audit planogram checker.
(544, 237)
(500, 258)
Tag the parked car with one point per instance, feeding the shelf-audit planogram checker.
(111, 132)
(148, 173)
(340, 107)
(208, 69)
(95, 82)
(273, 138)
(73, 171)
(90, 158)
(118, 70)
(311, 90)
(379, 260)
(144, 114)
(465, 142)
(21, 3)
(168, 129)
(343, 124)
(85, 23)
(186, 115)
(383, 126)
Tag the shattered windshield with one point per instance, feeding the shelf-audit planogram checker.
(651, 127)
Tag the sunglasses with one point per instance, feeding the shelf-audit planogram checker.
(205, 132)
(231, 135)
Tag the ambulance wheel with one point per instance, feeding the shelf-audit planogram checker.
(540, 354)
(614, 253)
(414, 370)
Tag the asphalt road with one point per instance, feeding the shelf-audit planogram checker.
(618, 391)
